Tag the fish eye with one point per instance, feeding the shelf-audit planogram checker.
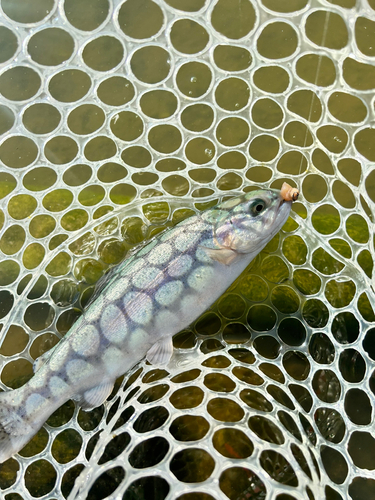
(257, 207)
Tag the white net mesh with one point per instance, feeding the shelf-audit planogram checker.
(165, 106)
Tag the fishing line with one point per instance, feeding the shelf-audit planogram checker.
(320, 57)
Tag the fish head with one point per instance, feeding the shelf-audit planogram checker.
(247, 223)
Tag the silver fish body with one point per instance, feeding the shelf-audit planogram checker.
(150, 297)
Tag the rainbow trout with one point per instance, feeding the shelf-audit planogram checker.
(149, 297)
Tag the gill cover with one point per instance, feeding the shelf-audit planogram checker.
(245, 224)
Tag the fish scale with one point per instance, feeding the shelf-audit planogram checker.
(159, 291)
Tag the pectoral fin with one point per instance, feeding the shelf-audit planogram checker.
(94, 397)
(224, 255)
(161, 352)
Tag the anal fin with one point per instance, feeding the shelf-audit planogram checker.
(94, 397)
(161, 352)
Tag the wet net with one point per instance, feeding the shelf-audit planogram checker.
(117, 120)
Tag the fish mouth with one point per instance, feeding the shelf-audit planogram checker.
(277, 218)
(281, 215)
(282, 202)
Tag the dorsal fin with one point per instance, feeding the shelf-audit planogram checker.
(39, 362)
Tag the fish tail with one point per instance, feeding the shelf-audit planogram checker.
(15, 431)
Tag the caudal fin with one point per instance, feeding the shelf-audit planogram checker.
(15, 432)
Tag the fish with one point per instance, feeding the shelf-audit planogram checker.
(148, 298)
